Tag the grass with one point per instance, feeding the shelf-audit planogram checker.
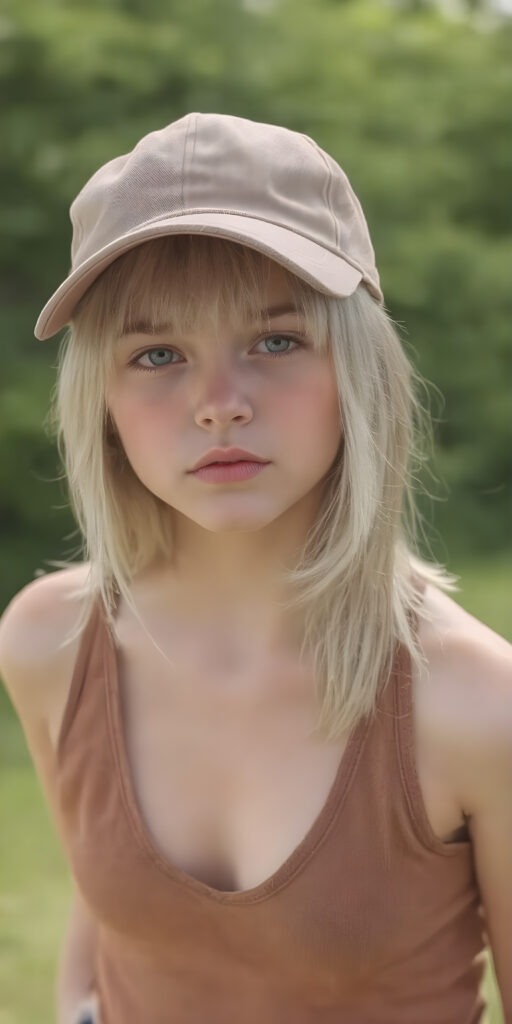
(35, 881)
(35, 889)
(485, 591)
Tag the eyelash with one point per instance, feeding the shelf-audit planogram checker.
(134, 363)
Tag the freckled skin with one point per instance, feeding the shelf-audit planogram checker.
(218, 392)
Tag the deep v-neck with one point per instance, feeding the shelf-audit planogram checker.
(296, 860)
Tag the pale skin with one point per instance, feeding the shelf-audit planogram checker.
(236, 697)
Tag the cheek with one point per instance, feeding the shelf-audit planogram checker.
(144, 422)
(310, 411)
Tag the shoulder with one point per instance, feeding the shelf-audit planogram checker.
(460, 649)
(465, 693)
(32, 629)
(470, 674)
(36, 670)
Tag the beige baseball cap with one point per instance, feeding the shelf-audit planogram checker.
(262, 185)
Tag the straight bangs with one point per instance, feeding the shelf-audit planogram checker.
(189, 283)
(356, 579)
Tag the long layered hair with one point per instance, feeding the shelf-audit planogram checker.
(356, 578)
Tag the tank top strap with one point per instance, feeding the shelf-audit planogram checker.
(400, 695)
(392, 700)
(87, 647)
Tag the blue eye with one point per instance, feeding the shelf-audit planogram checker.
(163, 352)
(281, 337)
(160, 352)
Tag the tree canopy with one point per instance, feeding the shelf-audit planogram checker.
(415, 106)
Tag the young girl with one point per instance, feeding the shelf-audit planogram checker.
(278, 754)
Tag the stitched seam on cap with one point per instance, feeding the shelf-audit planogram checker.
(330, 182)
(189, 126)
(196, 129)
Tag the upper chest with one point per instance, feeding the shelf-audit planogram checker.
(226, 774)
(223, 765)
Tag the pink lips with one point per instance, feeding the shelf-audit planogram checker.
(226, 455)
(229, 472)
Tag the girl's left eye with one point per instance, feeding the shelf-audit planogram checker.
(137, 365)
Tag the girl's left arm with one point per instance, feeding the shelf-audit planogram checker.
(488, 769)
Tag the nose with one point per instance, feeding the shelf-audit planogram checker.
(222, 400)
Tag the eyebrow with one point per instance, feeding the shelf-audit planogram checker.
(145, 327)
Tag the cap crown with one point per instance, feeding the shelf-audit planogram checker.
(225, 164)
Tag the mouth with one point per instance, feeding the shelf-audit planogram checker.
(229, 472)
(219, 456)
(232, 462)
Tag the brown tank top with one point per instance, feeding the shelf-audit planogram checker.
(371, 920)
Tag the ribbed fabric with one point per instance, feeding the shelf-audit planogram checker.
(371, 920)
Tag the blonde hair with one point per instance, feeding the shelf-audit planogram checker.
(356, 579)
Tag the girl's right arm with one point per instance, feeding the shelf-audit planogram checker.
(35, 674)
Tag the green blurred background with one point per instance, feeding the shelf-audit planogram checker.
(413, 99)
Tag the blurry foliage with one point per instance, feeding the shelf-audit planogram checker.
(413, 104)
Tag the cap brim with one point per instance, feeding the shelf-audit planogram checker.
(324, 270)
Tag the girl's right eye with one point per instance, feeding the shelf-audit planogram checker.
(137, 365)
